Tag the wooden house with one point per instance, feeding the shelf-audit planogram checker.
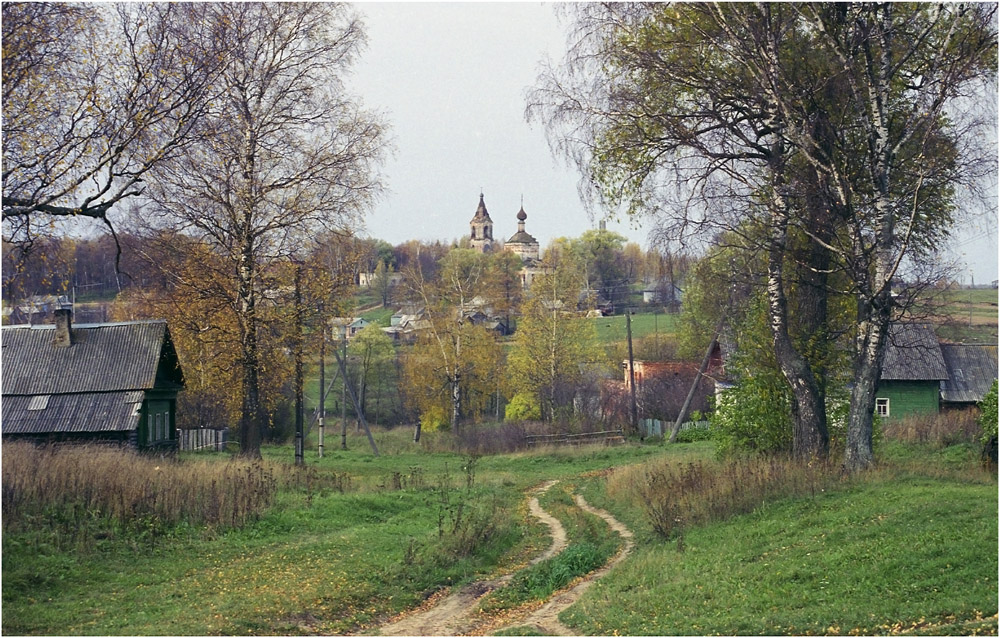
(111, 382)
(912, 373)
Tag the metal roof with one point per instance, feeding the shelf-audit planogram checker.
(90, 412)
(103, 358)
(971, 371)
(913, 354)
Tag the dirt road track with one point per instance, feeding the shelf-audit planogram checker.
(545, 620)
(452, 615)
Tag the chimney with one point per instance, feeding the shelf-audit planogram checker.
(64, 328)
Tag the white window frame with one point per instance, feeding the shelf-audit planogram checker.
(882, 406)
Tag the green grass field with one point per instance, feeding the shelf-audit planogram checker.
(611, 329)
(355, 539)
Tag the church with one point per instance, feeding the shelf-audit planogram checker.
(521, 243)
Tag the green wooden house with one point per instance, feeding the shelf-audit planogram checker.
(912, 373)
(111, 382)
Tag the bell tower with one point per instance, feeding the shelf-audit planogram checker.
(482, 228)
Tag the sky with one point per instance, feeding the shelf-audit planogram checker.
(451, 79)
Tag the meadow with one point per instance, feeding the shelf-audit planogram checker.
(352, 540)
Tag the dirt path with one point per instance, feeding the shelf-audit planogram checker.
(451, 614)
(545, 620)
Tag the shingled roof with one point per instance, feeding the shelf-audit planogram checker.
(913, 354)
(95, 384)
(971, 371)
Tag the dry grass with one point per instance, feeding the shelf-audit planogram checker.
(81, 490)
(943, 429)
(676, 495)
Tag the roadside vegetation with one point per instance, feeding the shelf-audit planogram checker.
(755, 546)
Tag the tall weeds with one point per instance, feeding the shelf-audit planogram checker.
(96, 489)
(675, 496)
(943, 429)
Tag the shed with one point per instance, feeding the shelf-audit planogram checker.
(972, 369)
(912, 373)
(111, 382)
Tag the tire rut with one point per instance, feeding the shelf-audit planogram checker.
(452, 614)
(545, 620)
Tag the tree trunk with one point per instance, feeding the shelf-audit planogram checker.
(251, 421)
(810, 437)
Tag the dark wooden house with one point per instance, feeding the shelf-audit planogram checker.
(111, 382)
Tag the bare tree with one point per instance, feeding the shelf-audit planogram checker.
(94, 96)
(283, 153)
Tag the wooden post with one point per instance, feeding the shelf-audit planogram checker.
(322, 378)
(343, 400)
(357, 406)
(299, 435)
(694, 384)
(631, 374)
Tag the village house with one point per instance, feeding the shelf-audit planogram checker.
(111, 382)
(920, 375)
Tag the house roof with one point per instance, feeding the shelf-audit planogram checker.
(87, 412)
(971, 371)
(913, 354)
(109, 357)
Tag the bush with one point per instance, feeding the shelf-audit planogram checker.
(988, 423)
(523, 407)
(754, 415)
(433, 419)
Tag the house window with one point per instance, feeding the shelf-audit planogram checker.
(882, 407)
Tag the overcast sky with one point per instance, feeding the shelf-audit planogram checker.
(451, 78)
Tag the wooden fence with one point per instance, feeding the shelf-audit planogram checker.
(607, 437)
(203, 439)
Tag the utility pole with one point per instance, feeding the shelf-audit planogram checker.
(322, 376)
(357, 406)
(343, 402)
(631, 372)
(299, 438)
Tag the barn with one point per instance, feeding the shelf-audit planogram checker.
(109, 382)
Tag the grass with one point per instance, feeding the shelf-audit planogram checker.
(877, 558)
(353, 539)
(589, 547)
(612, 329)
(319, 560)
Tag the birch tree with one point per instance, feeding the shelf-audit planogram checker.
(828, 121)
(282, 154)
(94, 97)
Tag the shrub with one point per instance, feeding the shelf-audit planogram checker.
(433, 419)
(754, 415)
(523, 407)
(988, 423)
(676, 496)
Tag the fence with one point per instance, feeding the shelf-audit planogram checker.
(203, 439)
(608, 437)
